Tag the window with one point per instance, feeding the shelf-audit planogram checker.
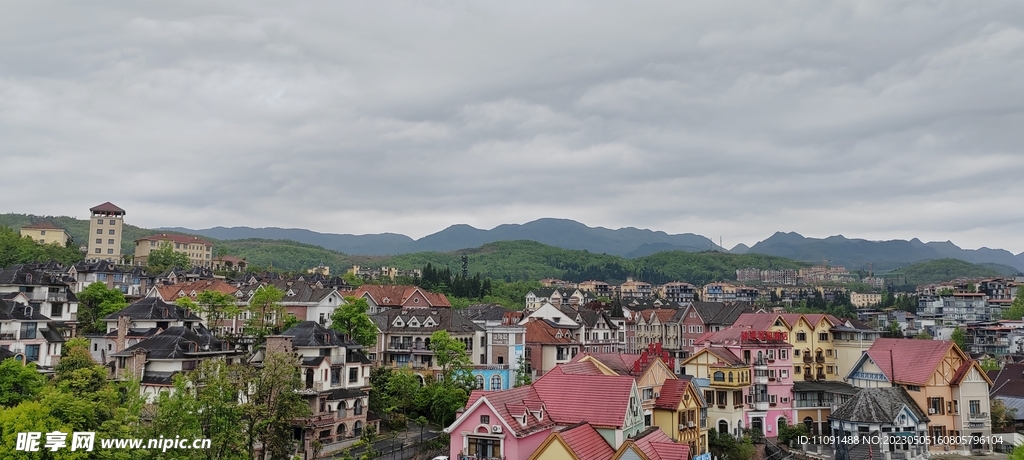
(828, 369)
(485, 419)
(936, 406)
(783, 354)
(796, 370)
(495, 383)
(57, 309)
(828, 352)
(784, 373)
(719, 376)
(99, 231)
(722, 397)
(99, 221)
(648, 393)
(110, 241)
(796, 353)
(353, 375)
(31, 352)
(484, 447)
(357, 408)
(823, 337)
(99, 240)
(28, 330)
(975, 407)
(110, 251)
(479, 382)
(709, 396)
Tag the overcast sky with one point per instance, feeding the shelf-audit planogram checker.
(878, 120)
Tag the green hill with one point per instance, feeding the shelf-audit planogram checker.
(942, 270)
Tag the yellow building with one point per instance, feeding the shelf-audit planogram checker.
(105, 226)
(729, 378)
(46, 233)
(865, 299)
(199, 251)
(814, 353)
(677, 412)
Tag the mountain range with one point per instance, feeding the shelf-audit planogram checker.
(630, 242)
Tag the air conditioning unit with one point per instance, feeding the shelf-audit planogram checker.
(931, 411)
(689, 424)
(495, 428)
(682, 427)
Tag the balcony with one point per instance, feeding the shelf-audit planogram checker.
(808, 359)
(761, 380)
(759, 406)
(820, 377)
(808, 377)
(819, 358)
(687, 426)
(7, 336)
(760, 365)
(400, 346)
(57, 298)
(978, 416)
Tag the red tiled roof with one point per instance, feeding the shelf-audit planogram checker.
(107, 207)
(586, 442)
(182, 239)
(513, 403)
(397, 295)
(664, 315)
(912, 360)
(170, 292)
(601, 400)
(621, 363)
(671, 394)
(580, 367)
(540, 332)
(658, 446)
(763, 321)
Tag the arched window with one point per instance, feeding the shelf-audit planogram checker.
(719, 376)
(495, 383)
(341, 430)
(342, 410)
(723, 426)
(479, 382)
(730, 377)
(357, 408)
(357, 430)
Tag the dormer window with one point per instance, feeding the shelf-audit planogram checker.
(429, 322)
(398, 322)
(414, 323)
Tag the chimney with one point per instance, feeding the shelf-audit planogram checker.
(123, 322)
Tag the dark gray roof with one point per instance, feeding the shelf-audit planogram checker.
(178, 343)
(13, 311)
(101, 266)
(877, 405)
(1008, 381)
(826, 386)
(5, 353)
(484, 312)
(543, 292)
(313, 334)
(153, 308)
(313, 361)
(723, 313)
(345, 393)
(158, 378)
(443, 319)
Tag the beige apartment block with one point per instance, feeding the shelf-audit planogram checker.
(46, 233)
(105, 226)
(865, 299)
(200, 251)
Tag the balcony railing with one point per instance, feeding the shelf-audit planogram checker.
(57, 298)
(979, 416)
(7, 336)
(819, 358)
(807, 358)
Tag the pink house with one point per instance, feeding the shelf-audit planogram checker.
(512, 424)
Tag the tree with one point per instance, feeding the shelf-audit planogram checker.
(351, 319)
(523, 377)
(96, 301)
(165, 258)
(272, 403)
(215, 306)
(402, 388)
(894, 331)
(19, 382)
(1016, 310)
(456, 367)
(1003, 418)
(266, 312)
(960, 338)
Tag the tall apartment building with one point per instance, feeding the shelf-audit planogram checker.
(200, 251)
(105, 226)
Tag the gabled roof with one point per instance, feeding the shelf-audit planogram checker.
(178, 343)
(427, 320)
(909, 361)
(877, 405)
(543, 332)
(620, 363)
(12, 311)
(723, 313)
(601, 400)
(1008, 381)
(658, 446)
(724, 356)
(153, 308)
(671, 395)
(170, 292)
(584, 441)
(107, 207)
(511, 406)
(312, 334)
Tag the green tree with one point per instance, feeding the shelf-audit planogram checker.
(959, 338)
(266, 314)
(165, 258)
(272, 403)
(456, 367)
(351, 319)
(215, 306)
(96, 301)
(1003, 418)
(402, 388)
(1016, 310)
(523, 377)
(19, 382)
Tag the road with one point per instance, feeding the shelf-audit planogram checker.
(402, 447)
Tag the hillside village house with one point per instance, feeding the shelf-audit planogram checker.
(136, 322)
(754, 365)
(383, 298)
(403, 339)
(701, 317)
(942, 380)
(512, 424)
(336, 383)
(133, 283)
(24, 331)
(878, 413)
(46, 292)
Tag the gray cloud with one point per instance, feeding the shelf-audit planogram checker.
(736, 119)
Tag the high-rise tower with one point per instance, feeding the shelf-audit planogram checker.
(105, 226)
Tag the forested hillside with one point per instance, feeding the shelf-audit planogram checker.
(941, 270)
